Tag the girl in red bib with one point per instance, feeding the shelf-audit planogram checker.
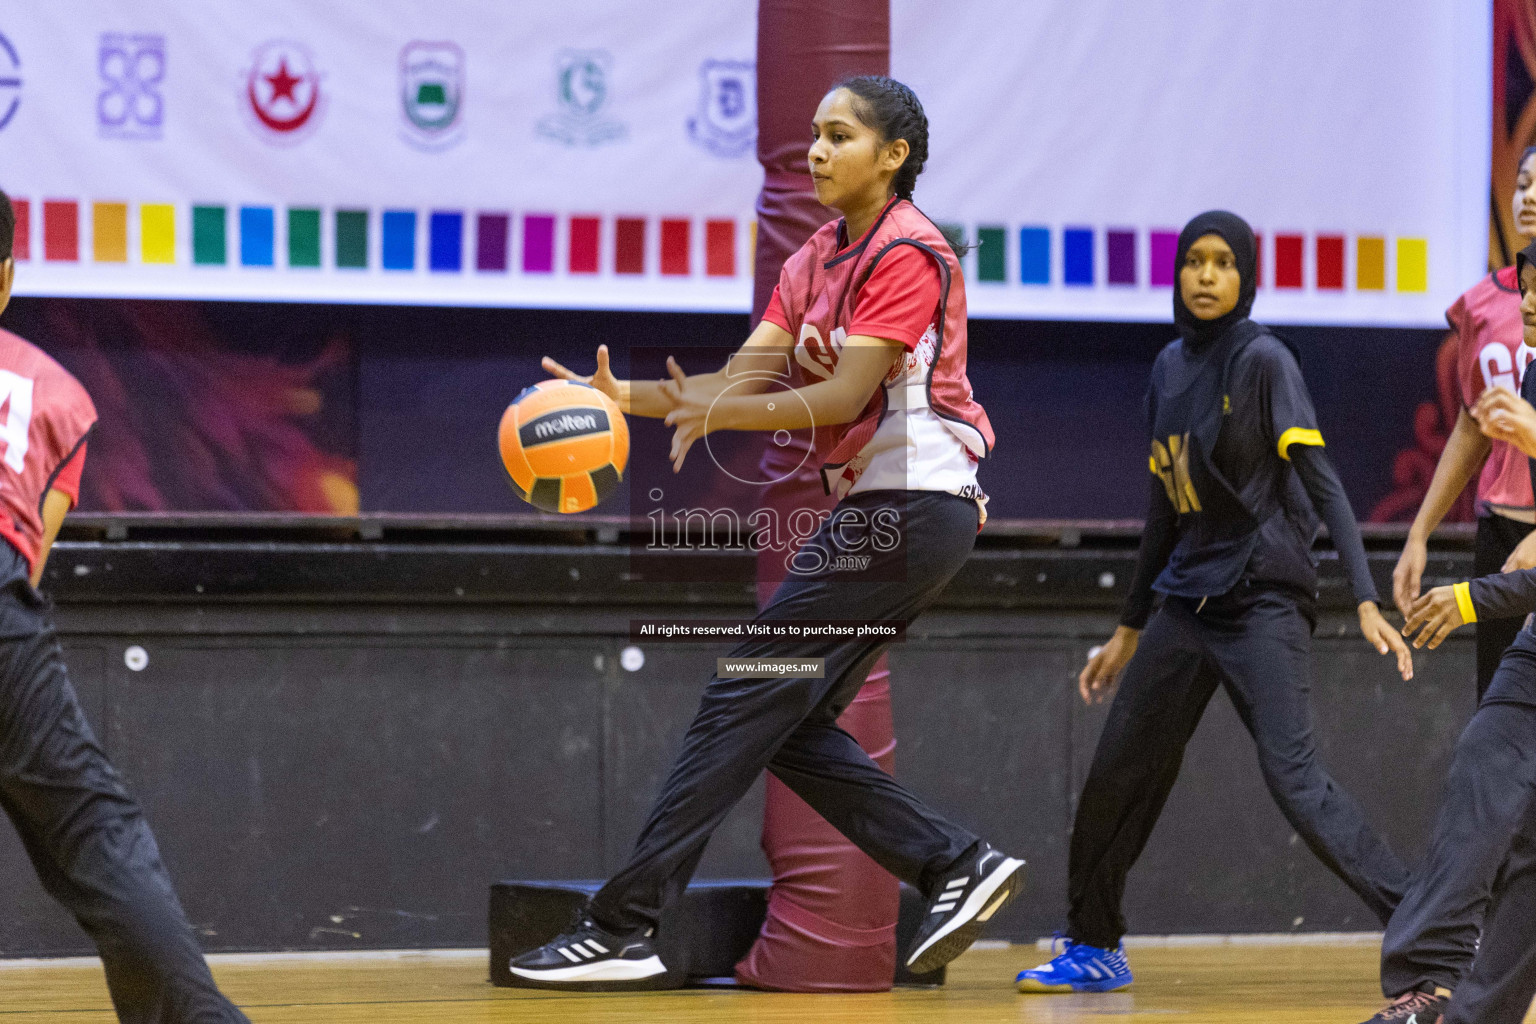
(86, 836)
(1490, 353)
(872, 309)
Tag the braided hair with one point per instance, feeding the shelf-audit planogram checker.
(892, 110)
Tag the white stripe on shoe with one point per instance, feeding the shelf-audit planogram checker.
(601, 970)
(565, 951)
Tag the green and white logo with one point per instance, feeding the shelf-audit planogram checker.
(432, 94)
(582, 80)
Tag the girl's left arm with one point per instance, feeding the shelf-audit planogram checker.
(1327, 494)
(862, 365)
(1293, 430)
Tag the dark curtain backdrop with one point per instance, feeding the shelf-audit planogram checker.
(241, 406)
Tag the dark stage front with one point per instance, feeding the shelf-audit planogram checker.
(343, 730)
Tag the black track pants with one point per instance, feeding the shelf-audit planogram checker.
(86, 836)
(1482, 856)
(789, 725)
(1255, 642)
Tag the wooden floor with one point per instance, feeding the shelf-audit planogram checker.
(1216, 984)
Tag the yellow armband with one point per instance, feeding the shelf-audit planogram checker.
(1299, 435)
(1463, 592)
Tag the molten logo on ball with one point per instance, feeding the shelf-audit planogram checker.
(564, 424)
(564, 445)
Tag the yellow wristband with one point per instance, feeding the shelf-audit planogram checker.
(1463, 592)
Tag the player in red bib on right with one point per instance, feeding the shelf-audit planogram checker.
(1461, 946)
(85, 834)
(1490, 353)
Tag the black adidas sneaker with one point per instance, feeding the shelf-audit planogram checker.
(1416, 1007)
(591, 959)
(965, 899)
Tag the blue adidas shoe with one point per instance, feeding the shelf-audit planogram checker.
(1079, 968)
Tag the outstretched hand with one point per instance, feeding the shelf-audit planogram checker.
(1379, 634)
(1098, 678)
(1409, 573)
(603, 379)
(1433, 617)
(1524, 555)
(1504, 416)
(689, 417)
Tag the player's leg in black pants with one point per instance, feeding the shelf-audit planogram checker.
(87, 837)
(1262, 641)
(1433, 935)
(1503, 979)
(1161, 696)
(1497, 536)
(787, 725)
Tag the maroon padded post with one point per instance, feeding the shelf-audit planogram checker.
(831, 924)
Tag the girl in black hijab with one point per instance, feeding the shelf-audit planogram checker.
(1240, 478)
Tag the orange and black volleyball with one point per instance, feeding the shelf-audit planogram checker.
(564, 445)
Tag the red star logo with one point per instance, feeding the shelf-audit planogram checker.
(293, 87)
(282, 83)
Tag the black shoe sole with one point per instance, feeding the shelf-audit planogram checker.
(960, 940)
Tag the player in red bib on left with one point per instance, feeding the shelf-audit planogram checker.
(87, 837)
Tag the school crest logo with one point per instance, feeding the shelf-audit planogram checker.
(726, 120)
(282, 92)
(132, 69)
(432, 94)
(10, 81)
(582, 91)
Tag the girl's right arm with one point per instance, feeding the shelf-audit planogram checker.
(768, 350)
(633, 397)
(1157, 542)
(1159, 535)
(1098, 678)
(766, 355)
(1503, 595)
(1465, 451)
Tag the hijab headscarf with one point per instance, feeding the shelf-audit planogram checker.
(1522, 259)
(1238, 235)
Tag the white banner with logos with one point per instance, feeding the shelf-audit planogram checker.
(600, 154)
